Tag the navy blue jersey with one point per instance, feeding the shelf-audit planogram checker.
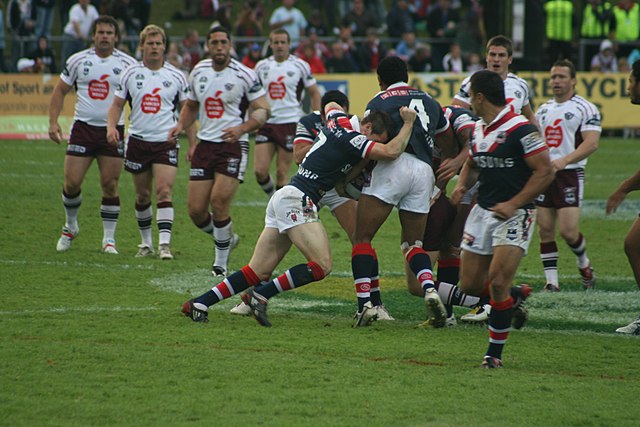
(308, 128)
(499, 151)
(337, 149)
(431, 119)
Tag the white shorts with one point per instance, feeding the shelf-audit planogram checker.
(483, 231)
(290, 207)
(405, 182)
(332, 200)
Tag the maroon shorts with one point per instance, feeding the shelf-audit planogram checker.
(281, 135)
(565, 191)
(225, 158)
(142, 154)
(91, 141)
(441, 217)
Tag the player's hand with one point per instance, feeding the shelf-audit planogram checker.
(503, 210)
(558, 165)
(448, 169)
(232, 134)
(457, 194)
(190, 151)
(614, 201)
(408, 114)
(55, 133)
(113, 136)
(174, 133)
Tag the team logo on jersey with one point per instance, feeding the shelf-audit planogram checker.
(88, 63)
(203, 79)
(232, 165)
(290, 73)
(166, 84)
(277, 90)
(518, 94)
(553, 134)
(570, 195)
(229, 86)
(139, 76)
(501, 137)
(99, 89)
(358, 141)
(139, 85)
(85, 71)
(151, 102)
(213, 106)
(569, 116)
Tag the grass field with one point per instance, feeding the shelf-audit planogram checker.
(93, 339)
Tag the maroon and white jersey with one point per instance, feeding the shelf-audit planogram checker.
(284, 82)
(224, 97)
(516, 91)
(154, 96)
(95, 80)
(562, 125)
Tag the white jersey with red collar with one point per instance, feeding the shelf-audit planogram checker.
(95, 80)
(155, 96)
(516, 92)
(284, 82)
(562, 125)
(224, 97)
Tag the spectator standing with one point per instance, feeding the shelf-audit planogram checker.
(310, 56)
(474, 63)
(316, 25)
(142, 11)
(371, 52)
(453, 62)
(400, 19)
(253, 56)
(191, 49)
(605, 61)
(45, 55)
(290, 19)
(442, 22)
(359, 19)
(121, 10)
(338, 62)
(626, 24)
(247, 25)
(421, 60)
(76, 32)
(44, 17)
(345, 38)
(596, 24)
(559, 29)
(406, 48)
(22, 22)
(471, 34)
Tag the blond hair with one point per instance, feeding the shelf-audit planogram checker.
(152, 30)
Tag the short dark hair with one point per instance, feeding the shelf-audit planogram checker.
(503, 41)
(392, 70)
(108, 20)
(566, 63)
(635, 70)
(334, 96)
(219, 29)
(280, 31)
(490, 84)
(381, 122)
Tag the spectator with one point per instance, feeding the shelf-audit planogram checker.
(44, 17)
(406, 48)
(400, 19)
(471, 35)
(27, 65)
(76, 32)
(605, 61)
(142, 11)
(253, 55)
(44, 55)
(371, 52)
(626, 24)
(291, 19)
(349, 45)
(191, 49)
(175, 58)
(453, 62)
(475, 63)
(559, 29)
(309, 55)
(442, 20)
(322, 51)
(359, 19)
(338, 62)
(121, 11)
(376, 7)
(421, 60)
(247, 25)
(22, 22)
(315, 24)
(222, 16)
(623, 65)
(190, 11)
(596, 24)
(3, 65)
(634, 55)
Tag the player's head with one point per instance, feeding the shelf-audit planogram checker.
(152, 30)
(377, 126)
(105, 33)
(486, 86)
(563, 79)
(153, 43)
(392, 70)
(499, 55)
(219, 44)
(633, 89)
(280, 43)
(337, 97)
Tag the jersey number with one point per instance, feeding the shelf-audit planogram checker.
(418, 106)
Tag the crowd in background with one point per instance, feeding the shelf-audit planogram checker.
(333, 36)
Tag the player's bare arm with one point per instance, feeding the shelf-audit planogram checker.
(259, 113)
(188, 115)
(468, 177)
(527, 111)
(392, 149)
(589, 145)
(55, 108)
(353, 173)
(461, 103)
(115, 111)
(314, 97)
(300, 150)
(191, 136)
(627, 186)
(542, 175)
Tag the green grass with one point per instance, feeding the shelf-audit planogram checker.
(91, 339)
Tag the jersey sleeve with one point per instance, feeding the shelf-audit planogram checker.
(307, 77)
(591, 120)
(304, 132)
(443, 122)
(121, 88)
(185, 89)
(69, 73)
(254, 89)
(530, 140)
(463, 93)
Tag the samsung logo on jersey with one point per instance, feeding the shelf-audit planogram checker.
(489, 162)
(306, 173)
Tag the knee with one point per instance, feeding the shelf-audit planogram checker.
(321, 268)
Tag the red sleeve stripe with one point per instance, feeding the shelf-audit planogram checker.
(302, 140)
(539, 150)
(367, 151)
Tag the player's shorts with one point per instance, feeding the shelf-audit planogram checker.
(290, 207)
(282, 135)
(91, 141)
(483, 231)
(332, 200)
(405, 182)
(565, 191)
(141, 155)
(225, 158)
(441, 217)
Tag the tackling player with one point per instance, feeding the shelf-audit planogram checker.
(94, 73)
(221, 90)
(154, 89)
(571, 126)
(284, 77)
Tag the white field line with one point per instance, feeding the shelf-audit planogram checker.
(80, 264)
(65, 310)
